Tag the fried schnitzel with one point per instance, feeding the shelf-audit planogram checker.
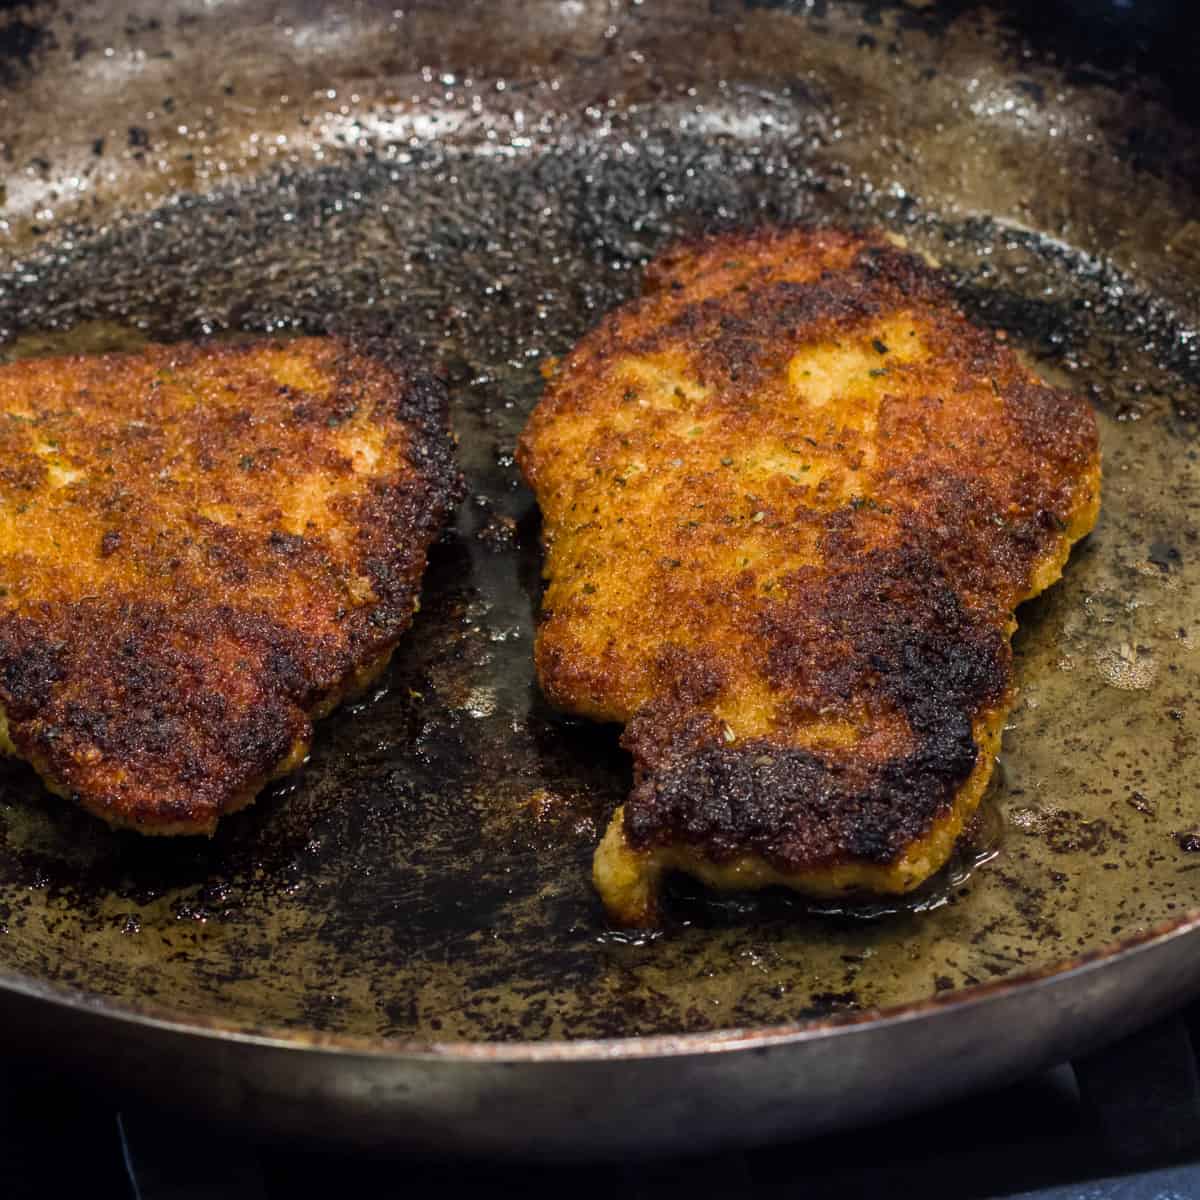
(202, 550)
(791, 498)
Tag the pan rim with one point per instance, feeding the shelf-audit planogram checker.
(639, 1047)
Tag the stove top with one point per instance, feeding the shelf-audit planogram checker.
(1121, 1124)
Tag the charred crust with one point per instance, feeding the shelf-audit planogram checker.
(1053, 423)
(739, 343)
(797, 810)
(161, 697)
(422, 405)
(29, 669)
(823, 541)
(892, 629)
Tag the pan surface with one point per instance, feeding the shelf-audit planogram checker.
(484, 182)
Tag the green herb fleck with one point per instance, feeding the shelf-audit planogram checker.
(880, 347)
(857, 502)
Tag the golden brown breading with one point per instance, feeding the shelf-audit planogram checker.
(202, 549)
(791, 498)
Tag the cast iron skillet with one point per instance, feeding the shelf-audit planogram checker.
(401, 946)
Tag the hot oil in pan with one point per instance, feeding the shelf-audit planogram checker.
(428, 871)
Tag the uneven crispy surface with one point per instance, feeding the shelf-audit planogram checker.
(201, 550)
(791, 498)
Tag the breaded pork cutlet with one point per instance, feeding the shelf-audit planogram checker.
(202, 550)
(791, 499)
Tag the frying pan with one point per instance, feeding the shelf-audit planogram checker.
(400, 946)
